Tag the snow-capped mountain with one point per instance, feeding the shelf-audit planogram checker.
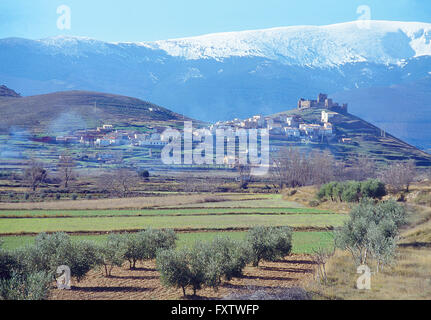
(382, 42)
(238, 74)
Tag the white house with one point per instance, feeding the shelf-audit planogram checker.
(291, 132)
(327, 115)
(103, 142)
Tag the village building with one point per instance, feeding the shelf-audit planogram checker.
(322, 102)
(328, 115)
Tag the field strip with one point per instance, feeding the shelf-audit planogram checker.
(12, 214)
(36, 225)
(303, 241)
(138, 203)
(181, 231)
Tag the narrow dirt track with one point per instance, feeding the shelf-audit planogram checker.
(144, 282)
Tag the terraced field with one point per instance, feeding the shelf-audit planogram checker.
(199, 221)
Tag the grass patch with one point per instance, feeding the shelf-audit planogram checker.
(303, 242)
(36, 225)
(153, 212)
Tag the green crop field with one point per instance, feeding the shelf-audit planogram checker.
(153, 212)
(303, 242)
(36, 225)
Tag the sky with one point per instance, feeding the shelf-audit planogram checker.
(143, 20)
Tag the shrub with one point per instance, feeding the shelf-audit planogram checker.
(8, 264)
(81, 259)
(111, 253)
(74, 196)
(32, 286)
(26, 196)
(145, 244)
(145, 174)
(154, 240)
(232, 256)
(52, 251)
(313, 203)
(58, 196)
(174, 268)
(373, 188)
(205, 264)
(352, 191)
(269, 243)
(372, 230)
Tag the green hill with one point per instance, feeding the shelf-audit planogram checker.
(65, 111)
(366, 139)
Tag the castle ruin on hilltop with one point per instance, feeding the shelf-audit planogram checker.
(322, 102)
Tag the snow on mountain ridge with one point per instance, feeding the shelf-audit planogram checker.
(385, 42)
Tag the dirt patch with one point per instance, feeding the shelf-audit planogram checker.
(144, 282)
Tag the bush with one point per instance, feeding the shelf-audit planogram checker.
(52, 251)
(32, 286)
(373, 188)
(111, 253)
(145, 174)
(8, 264)
(154, 240)
(174, 268)
(74, 196)
(313, 203)
(269, 243)
(145, 244)
(57, 196)
(231, 256)
(372, 230)
(352, 191)
(81, 259)
(205, 264)
(26, 196)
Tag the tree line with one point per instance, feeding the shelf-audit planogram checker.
(28, 272)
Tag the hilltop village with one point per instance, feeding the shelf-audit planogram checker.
(281, 126)
(293, 127)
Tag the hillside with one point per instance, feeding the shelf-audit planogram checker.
(367, 139)
(6, 92)
(63, 112)
(239, 73)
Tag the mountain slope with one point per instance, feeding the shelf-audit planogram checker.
(221, 76)
(382, 42)
(71, 110)
(367, 139)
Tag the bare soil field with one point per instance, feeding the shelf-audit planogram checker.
(144, 282)
(120, 203)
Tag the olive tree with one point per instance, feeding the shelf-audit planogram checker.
(372, 231)
(269, 243)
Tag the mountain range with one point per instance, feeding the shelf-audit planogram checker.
(383, 70)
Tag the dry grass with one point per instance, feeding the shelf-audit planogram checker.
(123, 203)
(409, 278)
(304, 195)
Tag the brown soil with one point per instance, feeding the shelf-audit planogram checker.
(144, 282)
